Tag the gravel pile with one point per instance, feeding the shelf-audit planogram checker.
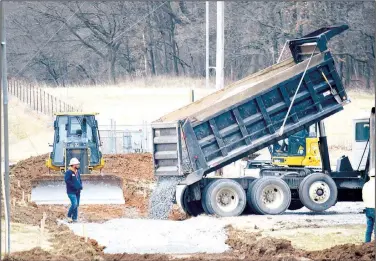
(161, 199)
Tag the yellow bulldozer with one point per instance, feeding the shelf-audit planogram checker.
(298, 150)
(76, 135)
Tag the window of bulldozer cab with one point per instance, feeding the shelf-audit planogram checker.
(75, 126)
(79, 126)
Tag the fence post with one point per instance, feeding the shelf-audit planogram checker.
(41, 101)
(46, 110)
(48, 102)
(33, 98)
(60, 104)
(55, 104)
(30, 95)
(37, 101)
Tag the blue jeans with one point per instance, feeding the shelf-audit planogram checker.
(370, 214)
(75, 202)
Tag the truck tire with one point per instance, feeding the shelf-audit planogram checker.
(192, 208)
(250, 207)
(203, 200)
(295, 205)
(269, 196)
(318, 192)
(225, 198)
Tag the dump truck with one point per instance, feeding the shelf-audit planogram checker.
(252, 114)
(76, 135)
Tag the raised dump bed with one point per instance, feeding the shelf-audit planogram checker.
(247, 115)
(243, 118)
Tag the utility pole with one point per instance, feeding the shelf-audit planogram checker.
(220, 45)
(220, 60)
(4, 85)
(207, 46)
(1, 158)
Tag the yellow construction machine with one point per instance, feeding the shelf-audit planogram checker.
(76, 135)
(298, 150)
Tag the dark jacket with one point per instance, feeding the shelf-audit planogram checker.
(73, 181)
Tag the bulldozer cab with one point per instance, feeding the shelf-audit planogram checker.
(300, 149)
(76, 135)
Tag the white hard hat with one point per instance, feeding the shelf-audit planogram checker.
(73, 161)
(371, 172)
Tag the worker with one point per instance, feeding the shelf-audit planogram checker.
(74, 187)
(369, 202)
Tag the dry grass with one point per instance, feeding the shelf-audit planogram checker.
(29, 131)
(150, 82)
(25, 237)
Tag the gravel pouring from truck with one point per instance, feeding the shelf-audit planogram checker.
(243, 118)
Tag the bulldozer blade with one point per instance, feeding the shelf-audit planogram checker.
(97, 189)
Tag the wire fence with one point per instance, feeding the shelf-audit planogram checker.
(125, 138)
(38, 99)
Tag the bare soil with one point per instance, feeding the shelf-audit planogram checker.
(135, 171)
(245, 246)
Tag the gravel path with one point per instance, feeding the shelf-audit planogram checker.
(204, 233)
(146, 236)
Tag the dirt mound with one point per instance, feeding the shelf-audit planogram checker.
(346, 252)
(252, 245)
(249, 245)
(24, 172)
(35, 254)
(133, 167)
(134, 171)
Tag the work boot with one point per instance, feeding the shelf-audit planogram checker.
(69, 220)
(74, 220)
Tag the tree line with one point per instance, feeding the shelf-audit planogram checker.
(65, 43)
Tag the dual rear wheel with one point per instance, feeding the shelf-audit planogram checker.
(268, 196)
(224, 197)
